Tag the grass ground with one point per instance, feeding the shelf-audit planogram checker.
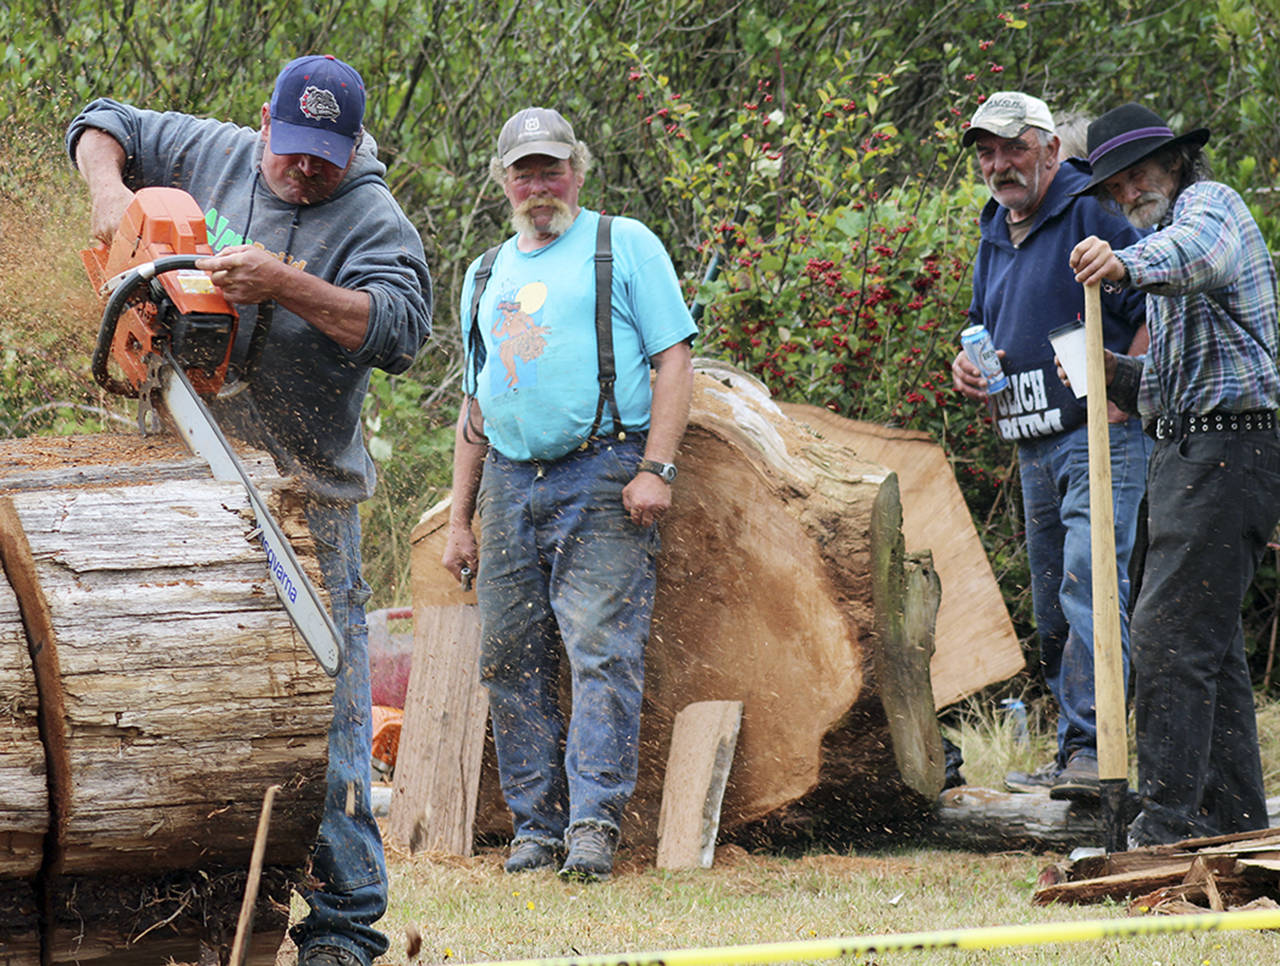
(467, 910)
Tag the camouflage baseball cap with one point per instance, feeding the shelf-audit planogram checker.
(1006, 114)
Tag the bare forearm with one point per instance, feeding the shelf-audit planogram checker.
(248, 275)
(469, 450)
(672, 393)
(100, 160)
(340, 313)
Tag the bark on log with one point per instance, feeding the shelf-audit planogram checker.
(983, 819)
(24, 800)
(766, 595)
(986, 820)
(183, 687)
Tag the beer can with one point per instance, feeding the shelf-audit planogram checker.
(977, 345)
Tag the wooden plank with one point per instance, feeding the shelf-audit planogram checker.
(437, 777)
(1124, 884)
(703, 739)
(975, 641)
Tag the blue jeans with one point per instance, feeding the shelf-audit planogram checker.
(347, 859)
(1214, 499)
(563, 567)
(1055, 499)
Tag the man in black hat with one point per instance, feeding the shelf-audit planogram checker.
(1207, 391)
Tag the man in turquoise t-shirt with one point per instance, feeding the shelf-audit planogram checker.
(570, 472)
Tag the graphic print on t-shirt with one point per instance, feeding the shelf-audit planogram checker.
(519, 338)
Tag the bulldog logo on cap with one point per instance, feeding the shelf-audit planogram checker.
(319, 104)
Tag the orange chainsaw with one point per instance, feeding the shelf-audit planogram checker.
(170, 332)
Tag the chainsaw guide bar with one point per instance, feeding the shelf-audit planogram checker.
(170, 332)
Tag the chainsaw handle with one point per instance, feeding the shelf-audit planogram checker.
(124, 286)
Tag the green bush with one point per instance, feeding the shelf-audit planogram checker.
(808, 149)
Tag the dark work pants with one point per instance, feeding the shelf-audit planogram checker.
(1213, 499)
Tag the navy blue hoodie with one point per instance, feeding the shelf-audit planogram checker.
(1021, 294)
(303, 403)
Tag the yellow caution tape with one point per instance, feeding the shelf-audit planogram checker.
(990, 937)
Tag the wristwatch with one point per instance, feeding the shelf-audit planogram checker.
(665, 470)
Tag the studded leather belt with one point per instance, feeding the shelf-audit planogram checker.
(1189, 424)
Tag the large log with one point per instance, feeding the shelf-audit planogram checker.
(976, 644)
(782, 584)
(147, 617)
(986, 820)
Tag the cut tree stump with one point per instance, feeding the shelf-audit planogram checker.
(975, 643)
(147, 623)
(783, 584)
(433, 798)
(702, 743)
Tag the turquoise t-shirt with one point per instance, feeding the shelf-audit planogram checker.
(538, 384)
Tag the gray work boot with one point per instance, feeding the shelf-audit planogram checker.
(321, 955)
(1040, 780)
(529, 854)
(591, 849)
(1078, 781)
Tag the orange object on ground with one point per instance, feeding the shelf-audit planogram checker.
(386, 733)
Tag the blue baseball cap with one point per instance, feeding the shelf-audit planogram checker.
(317, 108)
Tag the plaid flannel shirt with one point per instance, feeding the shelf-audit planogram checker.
(1211, 308)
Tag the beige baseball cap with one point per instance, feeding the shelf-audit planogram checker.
(1006, 114)
(535, 130)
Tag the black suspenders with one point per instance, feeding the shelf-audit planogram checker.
(604, 328)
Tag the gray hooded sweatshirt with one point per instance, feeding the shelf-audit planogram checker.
(304, 399)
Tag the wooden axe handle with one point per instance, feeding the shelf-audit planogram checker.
(1108, 666)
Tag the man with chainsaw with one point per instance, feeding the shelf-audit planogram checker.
(330, 281)
(1207, 390)
(1022, 291)
(566, 454)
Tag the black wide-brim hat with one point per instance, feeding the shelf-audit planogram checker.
(1126, 135)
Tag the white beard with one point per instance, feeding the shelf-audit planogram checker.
(561, 220)
(1147, 211)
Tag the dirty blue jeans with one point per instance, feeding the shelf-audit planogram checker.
(347, 859)
(562, 567)
(1055, 499)
(1213, 499)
